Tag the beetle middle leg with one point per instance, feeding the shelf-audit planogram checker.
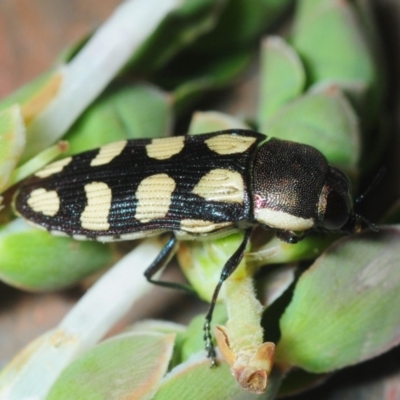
(160, 262)
(226, 272)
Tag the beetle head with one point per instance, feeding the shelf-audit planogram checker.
(335, 208)
(295, 189)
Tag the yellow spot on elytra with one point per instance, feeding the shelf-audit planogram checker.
(45, 202)
(107, 153)
(154, 197)
(95, 214)
(53, 168)
(229, 144)
(202, 226)
(221, 185)
(42, 98)
(162, 149)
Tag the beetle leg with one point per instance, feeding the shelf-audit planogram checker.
(160, 262)
(290, 236)
(226, 272)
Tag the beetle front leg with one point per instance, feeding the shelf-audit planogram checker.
(290, 236)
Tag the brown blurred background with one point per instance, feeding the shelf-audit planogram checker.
(32, 34)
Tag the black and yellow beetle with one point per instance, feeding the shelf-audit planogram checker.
(194, 187)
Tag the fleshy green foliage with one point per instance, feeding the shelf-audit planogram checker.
(240, 24)
(178, 30)
(36, 260)
(343, 309)
(127, 366)
(122, 112)
(324, 120)
(12, 142)
(192, 340)
(189, 84)
(323, 27)
(337, 44)
(25, 93)
(202, 262)
(284, 77)
(196, 380)
(213, 121)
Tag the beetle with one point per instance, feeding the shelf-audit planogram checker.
(193, 187)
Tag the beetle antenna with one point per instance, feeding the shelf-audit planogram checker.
(359, 218)
(375, 182)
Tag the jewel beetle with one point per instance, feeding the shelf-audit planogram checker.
(193, 187)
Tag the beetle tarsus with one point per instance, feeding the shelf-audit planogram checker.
(209, 346)
(210, 349)
(290, 236)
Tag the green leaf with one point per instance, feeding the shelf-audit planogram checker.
(195, 380)
(37, 162)
(178, 30)
(202, 261)
(330, 39)
(25, 93)
(161, 326)
(12, 142)
(282, 77)
(212, 121)
(188, 82)
(126, 366)
(324, 120)
(240, 24)
(35, 260)
(343, 310)
(122, 112)
(337, 44)
(192, 341)
(268, 250)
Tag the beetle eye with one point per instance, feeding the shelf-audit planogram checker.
(337, 211)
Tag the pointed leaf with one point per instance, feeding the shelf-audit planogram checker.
(324, 120)
(249, 19)
(127, 366)
(194, 379)
(35, 260)
(282, 77)
(212, 121)
(324, 30)
(344, 308)
(84, 325)
(122, 112)
(12, 142)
